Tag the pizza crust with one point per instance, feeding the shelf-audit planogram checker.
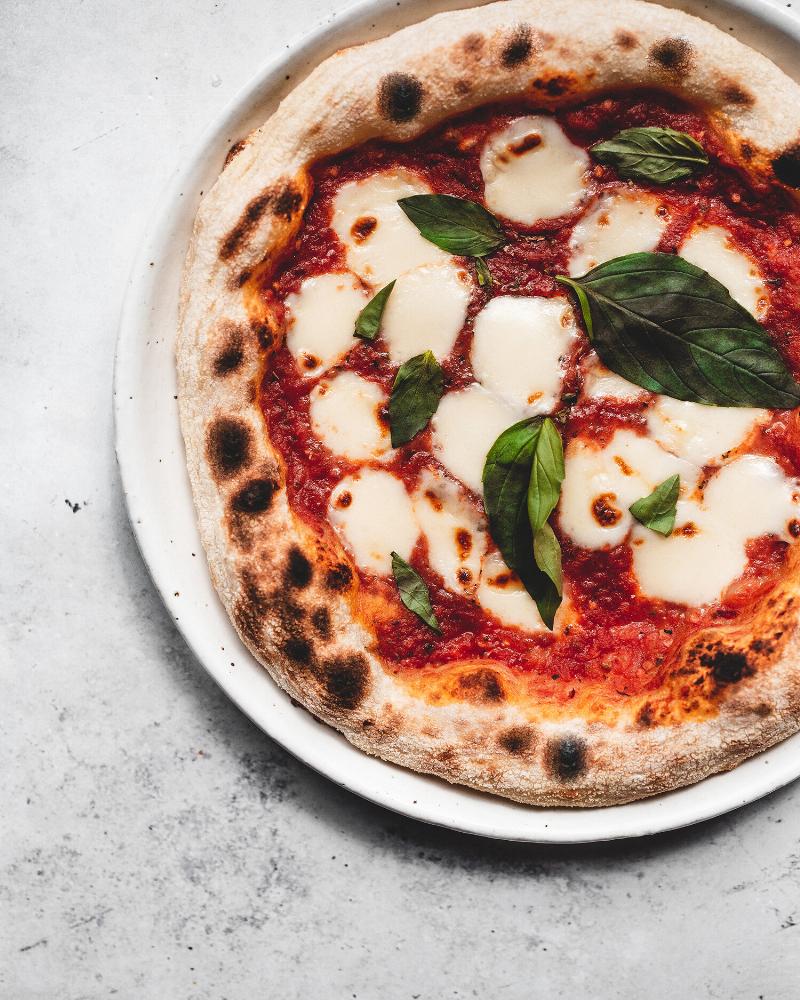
(292, 595)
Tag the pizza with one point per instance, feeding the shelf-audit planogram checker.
(488, 350)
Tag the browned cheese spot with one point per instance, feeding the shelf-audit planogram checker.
(463, 542)
(604, 511)
(689, 529)
(344, 499)
(228, 443)
(624, 468)
(525, 144)
(363, 227)
(399, 97)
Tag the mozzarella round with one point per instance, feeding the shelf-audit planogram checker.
(425, 311)
(700, 434)
(616, 225)
(380, 241)
(465, 426)
(321, 318)
(454, 530)
(711, 248)
(519, 348)
(600, 484)
(373, 514)
(345, 415)
(531, 171)
(502, 595)
(600, 383)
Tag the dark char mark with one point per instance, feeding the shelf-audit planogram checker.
(228, 446)
(399, 97)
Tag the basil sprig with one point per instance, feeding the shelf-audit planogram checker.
(368, 321)
(657, 511)
(456, 225)
(416, 392)
(668, 326)
(652, 154)
(522, 480)
(413, 591)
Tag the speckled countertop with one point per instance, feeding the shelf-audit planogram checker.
(153, 843)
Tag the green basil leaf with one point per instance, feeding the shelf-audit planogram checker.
(668, 326)
(547, 475)
(657, 511)
(416, 392)
(455, 224)
(484, 274)
(413, 592)
(652, 154)
(368, 321)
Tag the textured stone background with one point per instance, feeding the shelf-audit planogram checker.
(153, 843)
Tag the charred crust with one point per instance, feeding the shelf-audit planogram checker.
(263, 334)
(473, 44)
(321, 620)
(787, 167)
(346, 681)
(399, 97)
(625, 40)
(566, 757)
(675, 55)
(518, 47)
(228, 444)
(299, 571)
(254, 497)
(339, 577)
(229, 359)
(287, 202)
(553, 86)
(246, 226)
(644, 717)
(517, 740)
(735, 93)
(298, 649)
(250, 610)
(234, 151)
(727, 666)
(482, 685)
(746, 151)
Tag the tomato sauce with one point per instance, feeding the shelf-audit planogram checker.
(619, 636)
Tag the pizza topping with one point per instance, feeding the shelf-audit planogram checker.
(426, 311)
(390, 244)
(454, 530)
(321, 318)
(532, 171)
(501, 594)
(464, 427)
(519, 348)
(599, 383)
(748, 498)
(700, 434)
(378, 517)
(670, 327)
(368, 322)
(710, 248)
(657, 511)
(413, 591)
(619, 223)
(652, 154)
(416, 392)
(345, 415)
(457, 225)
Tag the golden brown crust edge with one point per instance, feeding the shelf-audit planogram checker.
(291, 595)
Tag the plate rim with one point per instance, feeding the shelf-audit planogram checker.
(671, 811)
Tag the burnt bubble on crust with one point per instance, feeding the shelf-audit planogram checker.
(254, 497)
(566, 757)
(299, 571)
(298, 649)
(246, 225)
(346, 681)
(482, 685)
(228, 446)
(399, 97)
(321, 620)
(673, 54)
(518, 48)
(287, 201)
(250, 610)
(234, 151)
(229, 358)
(339, 577)
(787, 166)
(625, 40)
(517, 740)
(727, 667)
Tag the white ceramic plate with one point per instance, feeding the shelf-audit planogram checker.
(150, 453)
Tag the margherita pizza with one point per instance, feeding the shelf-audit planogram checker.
(488, 356)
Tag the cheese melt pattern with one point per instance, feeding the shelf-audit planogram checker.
(616, 225)
(345, 416)
(710, 247)
(321, 319)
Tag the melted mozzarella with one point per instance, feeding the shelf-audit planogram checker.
(618, 224)
(465, 426)
(380, 240)
(345, 416)
(425, 311)
(321, 319)
(502, 595)
(519, 349)
(706, 552)
(700, 434)
(373, 514)
(532, 171)
(600, 383)
(455, 532)
(600, 484)
(710, 247)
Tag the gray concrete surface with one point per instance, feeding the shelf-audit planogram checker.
(153, 843)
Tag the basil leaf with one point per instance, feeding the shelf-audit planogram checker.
(455, 224)
(654, 154)
(547, 475)
(668, 326)
(416, 392)
(484, 274)
(413, 592)
(657, 511)
(507, 483)
(368, 321)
